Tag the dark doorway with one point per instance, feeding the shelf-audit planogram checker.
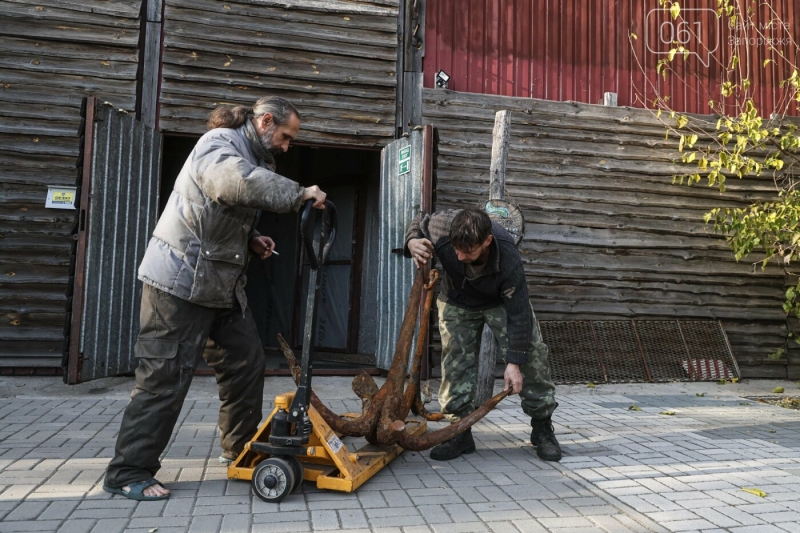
(346, 329)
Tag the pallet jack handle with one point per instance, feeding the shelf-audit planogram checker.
(318, 233)
(318, 245)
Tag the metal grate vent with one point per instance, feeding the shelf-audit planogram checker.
(618, 351)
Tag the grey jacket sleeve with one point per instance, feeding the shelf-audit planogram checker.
(432, 227)
(228, 178)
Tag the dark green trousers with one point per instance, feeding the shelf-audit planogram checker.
(171, 340)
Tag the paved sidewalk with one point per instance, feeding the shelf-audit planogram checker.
(624, 470)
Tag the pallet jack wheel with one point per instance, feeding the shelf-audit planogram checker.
(297, 468)
(273, 479)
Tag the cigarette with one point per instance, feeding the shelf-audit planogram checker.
(275, 253)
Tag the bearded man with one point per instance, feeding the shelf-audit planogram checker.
(194, 276)
(484, 283)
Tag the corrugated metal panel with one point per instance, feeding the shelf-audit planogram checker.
(51, 55)
(607, 234)
(575, 50)
(122, 214)
(335, 60)
(401, 201)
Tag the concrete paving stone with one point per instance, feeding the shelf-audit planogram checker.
(397, 498)
(32, 525)
(497, 516)
(282, 516)
(222, 500)
(611, 524)
(145, 509)
(465, 527)
(324, 520)
(371, 499)
(235, 523)
(397, 521)
(566, 522)
(352, 519)
(688, 525)
(26, 511)
(78, 526)
(661, 502)
(435, 514)
(560, 508)
(212, 510)
(178, 507)
(765, 528)
(101, 512)
(110, 525)
(494, 506)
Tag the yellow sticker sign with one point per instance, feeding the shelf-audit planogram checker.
(61, 197)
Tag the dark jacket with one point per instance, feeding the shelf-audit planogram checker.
(502, 281)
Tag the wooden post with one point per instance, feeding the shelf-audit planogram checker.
(487, 360)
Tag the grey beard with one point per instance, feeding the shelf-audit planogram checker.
(266, 141)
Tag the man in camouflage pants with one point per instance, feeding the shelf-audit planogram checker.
(484, 283)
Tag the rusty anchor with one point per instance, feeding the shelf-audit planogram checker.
(385, 410)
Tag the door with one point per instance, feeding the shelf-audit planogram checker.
(119, 209)
(406, 191)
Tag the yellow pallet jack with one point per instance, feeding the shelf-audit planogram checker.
(295, 443)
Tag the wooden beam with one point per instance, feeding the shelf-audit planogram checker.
(487, 359)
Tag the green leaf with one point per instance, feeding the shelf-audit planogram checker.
(700, 394)
(767, 62)
(778, 390)
(634, 408)
(668, 413)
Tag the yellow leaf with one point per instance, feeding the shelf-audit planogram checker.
(778, 390)
(591, 385)
(106, 63)
(675, 10)
(634, 408)
(758, 492)
(668, 413)
(346, 18)
(633, 35)
(734, 380)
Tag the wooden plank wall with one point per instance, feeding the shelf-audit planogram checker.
(607, 234)
(52, 54)
(336, 60)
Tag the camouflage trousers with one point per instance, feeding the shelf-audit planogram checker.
(461, 331)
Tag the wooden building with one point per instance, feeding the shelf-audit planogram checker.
(605, 236)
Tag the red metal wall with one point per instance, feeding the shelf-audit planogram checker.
(578, 50)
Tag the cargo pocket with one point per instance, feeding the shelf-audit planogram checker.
(217, 270)
(159, 368)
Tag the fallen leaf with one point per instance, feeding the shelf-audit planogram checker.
(744, 403)
(758, 492)
(773, 431)
(591, 385)
(721, 382)
(668, 413)
(106, 63)
(153, 530)
(634, 408)
(734, 380)
(778, 390)
(700, 394)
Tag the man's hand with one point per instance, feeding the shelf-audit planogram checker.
(262, 246)
(513, 378)
(314, 193)
(421, 251)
